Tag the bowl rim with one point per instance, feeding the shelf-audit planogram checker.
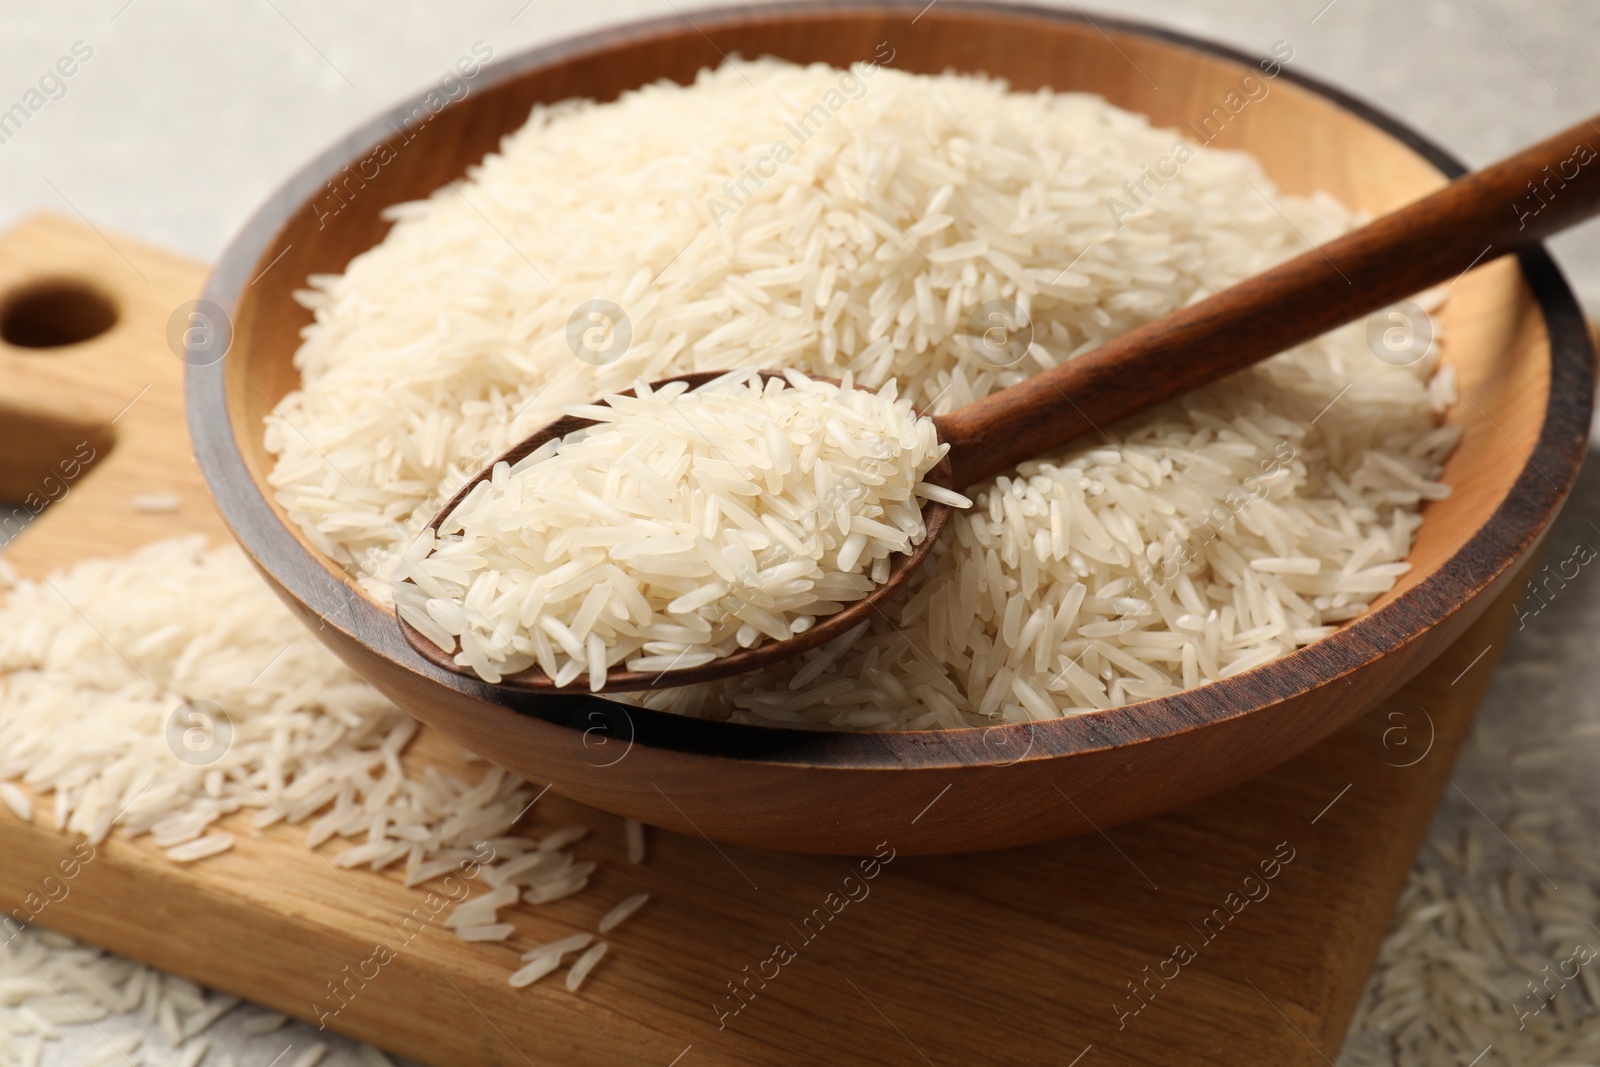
(319, 587)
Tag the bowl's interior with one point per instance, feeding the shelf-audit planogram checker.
(1495, 336)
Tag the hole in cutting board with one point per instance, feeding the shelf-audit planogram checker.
(55, 312)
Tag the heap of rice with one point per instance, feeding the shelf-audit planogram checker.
(782, 216)
(1485, 950)
(1486, 954)
(116, 666)
(679, 529)
(164, 692)
(1497, 938)
(51, 985)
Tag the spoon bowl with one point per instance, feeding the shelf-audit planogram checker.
(533, 680)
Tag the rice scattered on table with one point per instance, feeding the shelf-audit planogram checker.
(170, 694)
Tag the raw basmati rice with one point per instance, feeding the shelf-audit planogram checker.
(51, 984)
(311, 1056)
(130, 652)
(1469, 934)
(155, 503)
(1495, 939)
(534, 970)
(193, 1053)
(119, 1047)
(110, 666)
(210, 845)
(1117, 569)
(17, 801)
(483, 907)
(213, 1010)
(547, 958)
(1465, 963)
(683, 526)
(263, 1024)
(585, 964)
(560, 948)
(560, 839)
(620, 914)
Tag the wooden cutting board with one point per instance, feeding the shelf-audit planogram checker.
(1156, 943)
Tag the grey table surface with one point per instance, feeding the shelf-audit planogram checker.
(188, 114)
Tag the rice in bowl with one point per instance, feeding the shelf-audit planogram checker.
(1191, 543)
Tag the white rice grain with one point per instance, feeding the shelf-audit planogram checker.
(155, 503)
(116, 1047)
(534, 970)
(263, 1024)
(574, 943)
(633, 830)
(584, 964)
(311, 1056)
(15, 799)
(201, 1020)
(176, 634)
(619, 914)
(209, 845)
(193, 1052)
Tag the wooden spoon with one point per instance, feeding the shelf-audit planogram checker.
(1508, 206)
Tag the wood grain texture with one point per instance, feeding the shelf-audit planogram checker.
(1015, 957)
(122, 399)
(1516, 340)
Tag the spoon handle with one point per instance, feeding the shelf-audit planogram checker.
(1503, 208)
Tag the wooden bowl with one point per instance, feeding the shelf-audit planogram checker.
(1515, 335)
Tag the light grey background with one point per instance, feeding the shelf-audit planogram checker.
(189, 114)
